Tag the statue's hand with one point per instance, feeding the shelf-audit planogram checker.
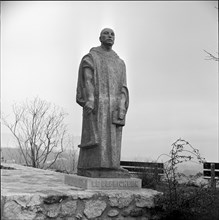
(89, 107)
(122, 113)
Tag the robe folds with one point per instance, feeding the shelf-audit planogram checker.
(101, 132)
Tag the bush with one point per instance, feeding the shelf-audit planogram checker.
(148, 180)
(180, 201)
(192, 204)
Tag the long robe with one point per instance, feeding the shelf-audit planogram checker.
(101, 136)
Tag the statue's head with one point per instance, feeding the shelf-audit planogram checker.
(107, 37)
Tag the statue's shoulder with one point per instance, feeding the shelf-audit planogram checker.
(95, 50)
(118, 57)
(121, 61)
(100, 52)
(87, 57)
(87, 61)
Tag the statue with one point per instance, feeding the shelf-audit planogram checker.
(102, 92)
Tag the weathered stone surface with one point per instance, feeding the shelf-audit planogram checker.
(11, 210)
(94, 208)
(75, 218)
(83, 194)
(79, 216)
(125, 218)
(136, 212)
(34, 200)
(103, 183)
(52, 210)
(113, 213)
(22, 206)
(26, 200)
(27, 215)
(21, 200)
(40, 216)
(119, 201)
(155, 217)
(125, 213)
(51, 199)
(145, 201)
(69, 207)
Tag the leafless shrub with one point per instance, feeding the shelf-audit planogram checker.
(39, 130)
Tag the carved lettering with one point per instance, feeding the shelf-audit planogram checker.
(94, 183)
(103, 183)
(115, 183)
(80, 182)
(125, 184)
(120, 183)
(111, 184)
(136, 183)
(108, 184)
(98, 183)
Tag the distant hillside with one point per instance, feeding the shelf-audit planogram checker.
(15, 154)
(10, 150)
(10, 154)
(189, 168)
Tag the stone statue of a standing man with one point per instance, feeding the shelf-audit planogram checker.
(102, 92)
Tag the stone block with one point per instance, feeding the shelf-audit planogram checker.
(136, 212)
(145, 201)
(53, 210)
(11, 210)
(103, 183)
(94, 208)
(120, 201)
(113, 213)
(69, 208)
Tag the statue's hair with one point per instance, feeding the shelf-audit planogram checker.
(104, 30)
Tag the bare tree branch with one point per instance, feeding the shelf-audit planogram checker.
(39, 130)
(211, 56)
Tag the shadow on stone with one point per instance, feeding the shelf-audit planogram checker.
(7, 168)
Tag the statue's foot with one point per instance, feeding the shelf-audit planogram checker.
(104, 172)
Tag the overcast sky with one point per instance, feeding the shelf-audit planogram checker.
(173, 88)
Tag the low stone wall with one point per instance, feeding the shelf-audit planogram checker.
(35, 194)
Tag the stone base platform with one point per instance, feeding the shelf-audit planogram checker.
(103, 183)
(35, 194)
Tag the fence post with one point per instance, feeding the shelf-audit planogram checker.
(213, 180)
(156, 173)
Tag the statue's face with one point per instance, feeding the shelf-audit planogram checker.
(107, 36)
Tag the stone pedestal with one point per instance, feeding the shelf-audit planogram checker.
(29, 194)
(103, 183)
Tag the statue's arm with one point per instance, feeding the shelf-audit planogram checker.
(89, 88)
(122, 107)
(124, 97)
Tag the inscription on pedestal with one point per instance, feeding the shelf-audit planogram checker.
(103, 184)
(113, 183)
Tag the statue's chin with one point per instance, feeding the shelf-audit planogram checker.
(109, 43)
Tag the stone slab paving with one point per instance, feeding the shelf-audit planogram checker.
(35, 194)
